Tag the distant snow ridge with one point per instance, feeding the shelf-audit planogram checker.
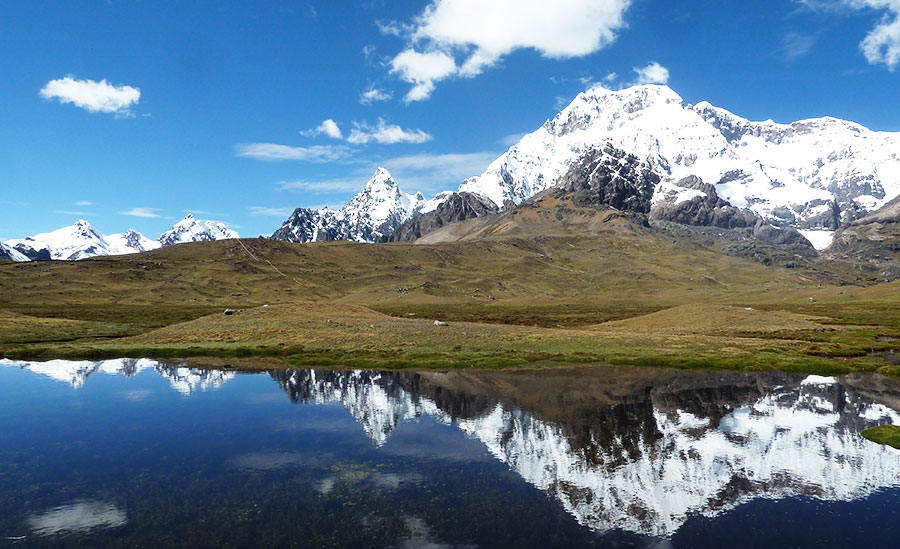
(376, 211)
(196, 230)
(130, 242)
(79, 241)
(82, 240)
(812, 174)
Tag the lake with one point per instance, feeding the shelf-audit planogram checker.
(141, 452)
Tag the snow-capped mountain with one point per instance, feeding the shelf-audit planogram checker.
(82, 240)
(809, 174)
(196, 230)
(130, 242)
(812, 174)
(78, 241)
(376, 211)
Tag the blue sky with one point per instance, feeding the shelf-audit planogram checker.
(132, 113)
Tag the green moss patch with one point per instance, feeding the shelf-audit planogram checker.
(888, 435)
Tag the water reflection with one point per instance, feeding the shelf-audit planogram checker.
(635, 450)
(77, 517)
(184, 380)
(640, 457)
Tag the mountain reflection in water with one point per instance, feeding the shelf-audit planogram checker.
(632, 449)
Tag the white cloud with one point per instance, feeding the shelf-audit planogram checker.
(141, 212)
(93, 96)
(84, 203)
(373, 94)
(882, 44)
(422, 70)
(654, 73)
(325, 186)
(386, 134)
(511, 139)
(436, 172)
(327, 127)
(478, 34)
(270, 212)
(795, 45)
(273, 152)
(429, 173)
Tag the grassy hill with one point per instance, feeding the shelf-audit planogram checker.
(548, 283)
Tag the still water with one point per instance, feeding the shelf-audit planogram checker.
(140, 452)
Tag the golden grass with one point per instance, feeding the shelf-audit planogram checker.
(698, 318)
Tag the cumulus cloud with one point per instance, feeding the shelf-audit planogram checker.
(327, 127)
(372, 95)
(273, 152)
(386, 134)
(422, 70)
(653, 73)
(141, 212)
(882, 44)
(462, 38)
(93, 96)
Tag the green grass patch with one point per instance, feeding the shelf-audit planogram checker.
(888, 435)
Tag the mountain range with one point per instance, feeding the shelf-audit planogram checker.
(82, 240)
(714, 167)
(813, 175)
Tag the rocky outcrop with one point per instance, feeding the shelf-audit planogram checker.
(609, 177)
(456, 207)
(30, 254)
(872, 243)
(308, 225)
(690, 201)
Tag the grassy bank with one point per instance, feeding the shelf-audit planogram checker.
(338, 335)
(621, 295)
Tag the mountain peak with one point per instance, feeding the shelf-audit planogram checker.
(381, 179)
(648, 93)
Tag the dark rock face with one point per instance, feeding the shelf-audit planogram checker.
(457, 207)
(5, 255)
(872, 243)
(308, 225)
(610, 177)
(709, 210)
(32, 254)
